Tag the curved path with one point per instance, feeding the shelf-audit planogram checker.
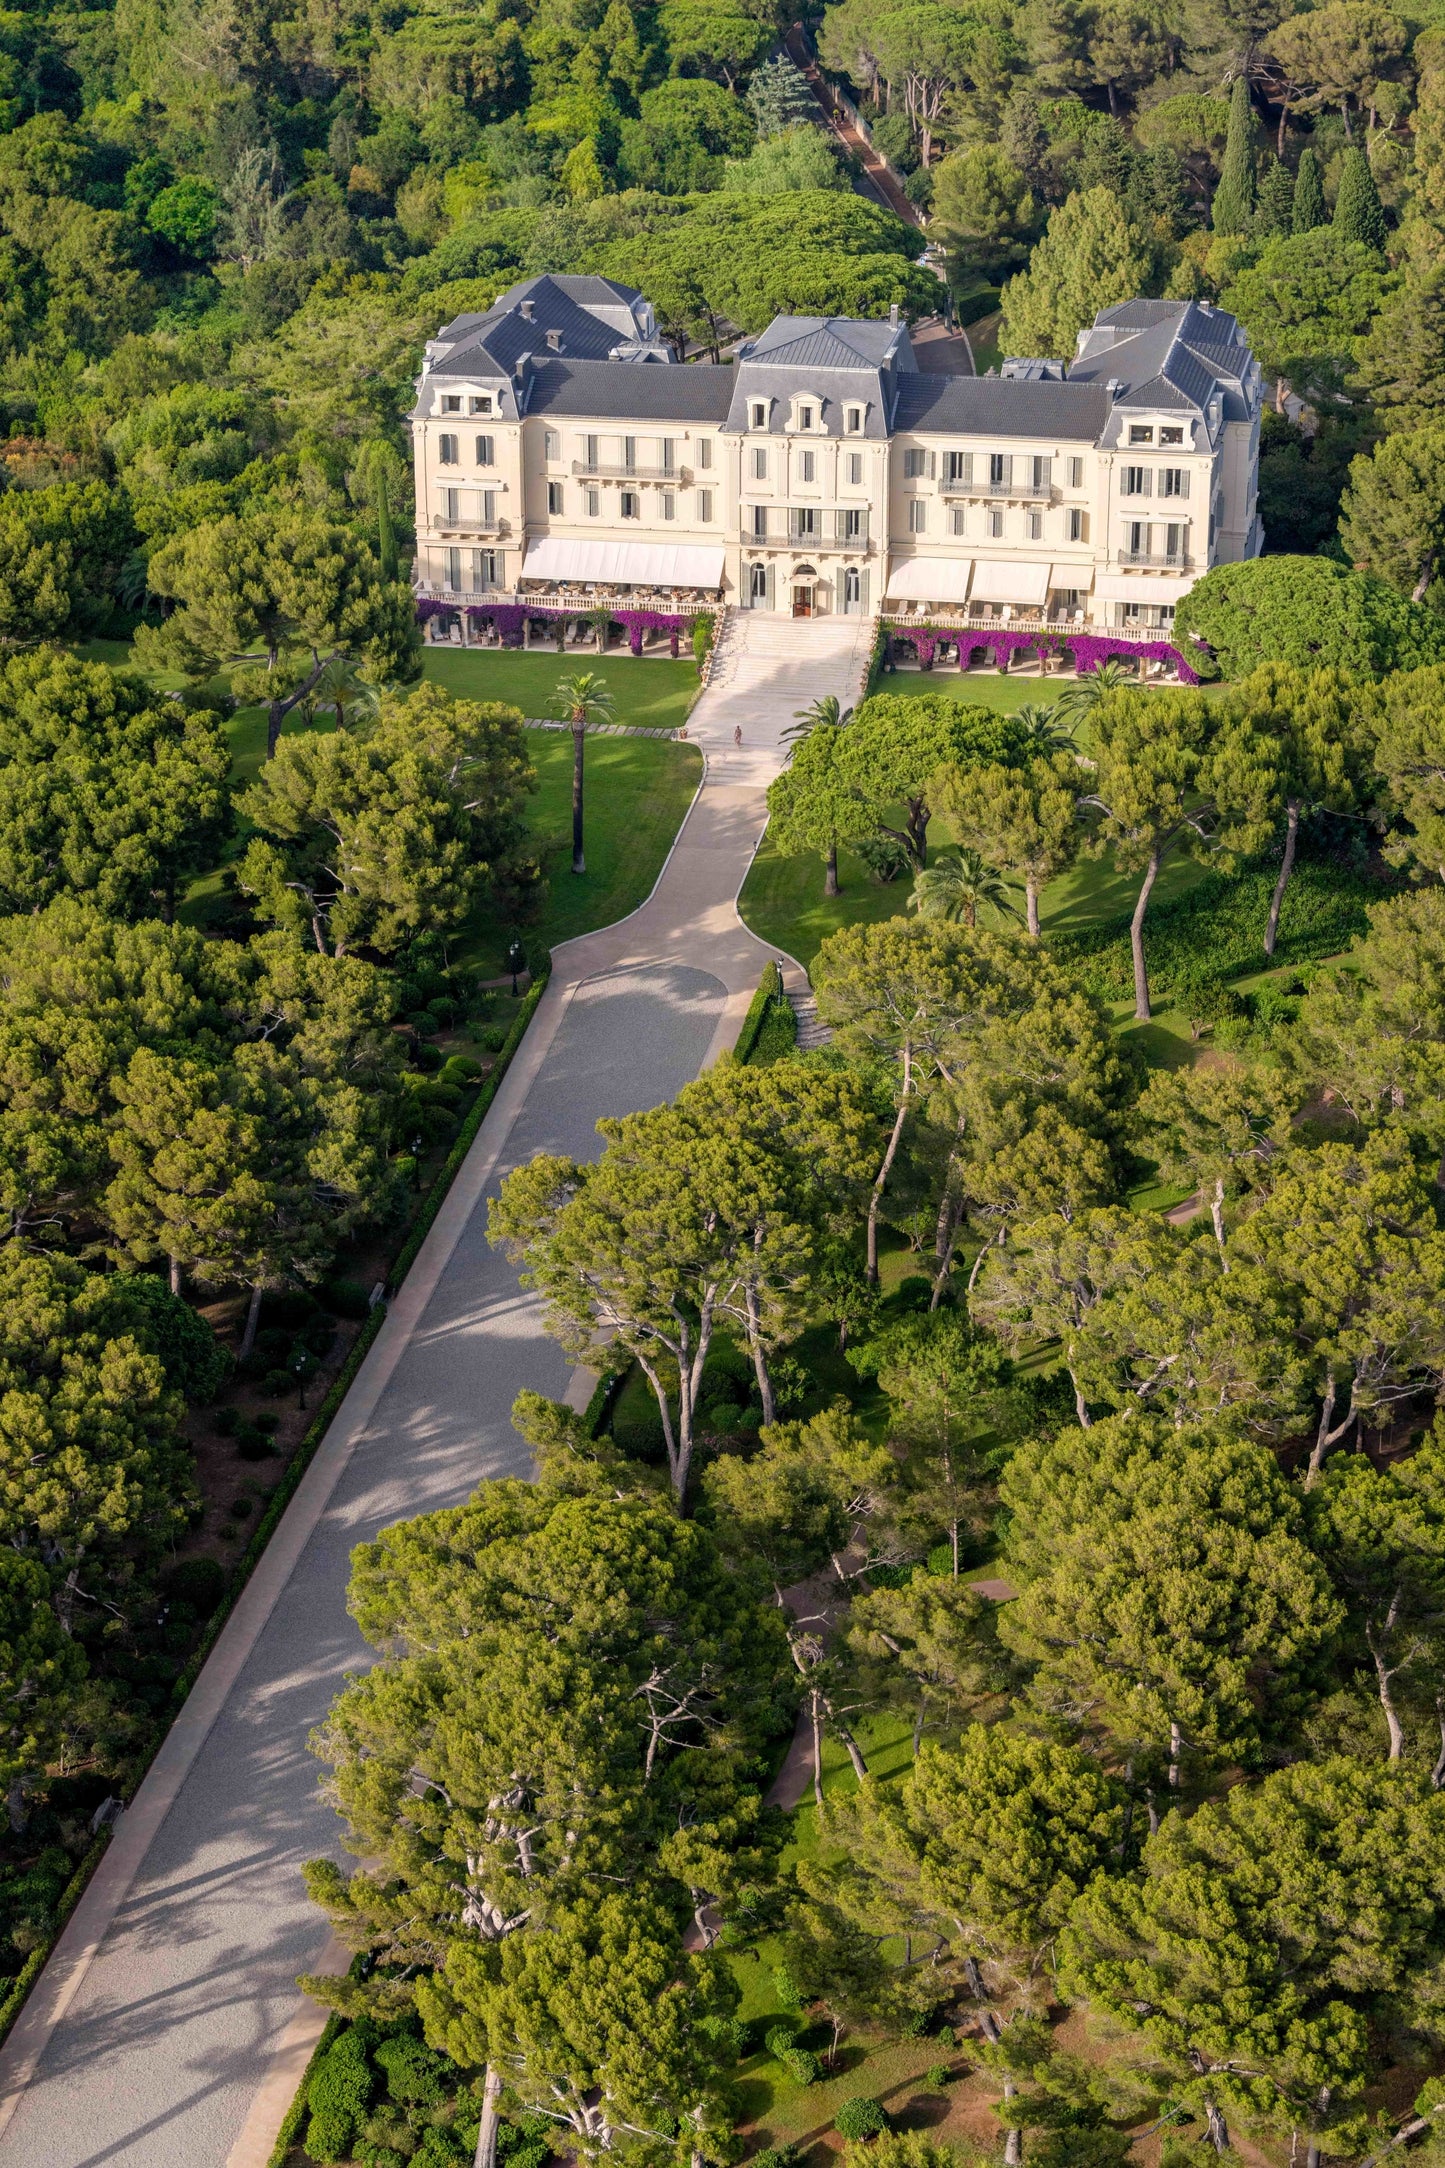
(166, 2031)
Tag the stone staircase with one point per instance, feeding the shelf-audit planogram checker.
(765, 670)
(812, 1031)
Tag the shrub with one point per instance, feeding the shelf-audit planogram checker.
(802, 2065)
(426, 1057)
(860, 2117)
(288, 1307)
(775, 2156)
(778, 2039)
(253, 1443)
(199, 1582)
(778, 1034)
(1205, 996)
(241, 1508)
(424, 1023)
(224, 1422)
(268, 1422)
(884, 858)
(785, 1987)
(460, 1069)
(338, 2096)
(443, 2149)
(414, 2072)
(494, 1037)
(195, 1363)
(348, 1298)
(277, 1382)
(701, 638)
(936, 2076)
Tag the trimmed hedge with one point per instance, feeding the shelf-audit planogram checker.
(770, 985)
(36, 1962)
(1223, 919)
(770, 1028)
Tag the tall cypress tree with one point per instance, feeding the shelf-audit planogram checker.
(1274, 206)
(1359, 213)
(385, 532)
(1233, 210)
(1309, 195)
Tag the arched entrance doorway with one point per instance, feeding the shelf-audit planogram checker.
(805, 592)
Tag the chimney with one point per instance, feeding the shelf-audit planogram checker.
(554, 341)
(893, 315)
(529, 310)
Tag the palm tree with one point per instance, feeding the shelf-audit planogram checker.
(1093, 686)
(340, 685)
(952, 889)
(582, 699)
(1048, 726)
(825, 713)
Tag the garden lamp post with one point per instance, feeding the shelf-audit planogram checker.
(516, 963)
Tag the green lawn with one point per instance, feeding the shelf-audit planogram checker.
(783, 901)
(650, 692)
(1004, 690)
(637, 792)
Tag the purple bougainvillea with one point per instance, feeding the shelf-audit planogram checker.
(1089, 649)
(510, 618)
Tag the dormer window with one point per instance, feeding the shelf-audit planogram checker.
(805, 417)
(1141, 432)
(1171, 436)
(480, 403)
(451, 402)
(853, 421)
(760, 414)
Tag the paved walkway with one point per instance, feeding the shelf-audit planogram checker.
(166, 2031)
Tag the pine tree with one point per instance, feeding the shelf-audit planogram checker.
(1233, 210)
(779, 97)
(1359, 214)
(1274, 207)
(1309, 195)
(386, 555)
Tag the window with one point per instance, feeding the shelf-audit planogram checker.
(1076, 525)
(485, 451)
(669, 505)
(452, 559)
(452, 403)
(1035, 526)
(628, 507)
(450, 500)
(853, 421)
(995, 524)
(447, 452)
(805, 417)
(1141, 432)
(629, 454)
(804, 523)
(487, 568)
(760, 414)
(760, 464)
(589, 453)
(554, 497)
(760, 523)
(855, 468)
(593, 500)
(999, 465)
(1041, 473)
(807, 466)
(852, 588)
(957, 524)
(1136, 538)
(1171, 436)
(704, 505)
(551, 444)
(853, 525)
(916, 465)
(1076, 474)
(489, 508)
(1174, 481)
(480, 403)
(669, 456)
(917, 515)
(1136, 482)
(704, 451)
(757, 584)
(958, 468)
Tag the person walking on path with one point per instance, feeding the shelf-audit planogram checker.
(737, 734)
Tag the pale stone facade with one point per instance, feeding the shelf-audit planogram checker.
(560, 451)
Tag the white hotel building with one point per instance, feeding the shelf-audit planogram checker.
(562, 454)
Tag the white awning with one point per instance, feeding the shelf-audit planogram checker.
(929, 579)
(998, 579)
(624, 564)
(1071, 579)
(1139, 587)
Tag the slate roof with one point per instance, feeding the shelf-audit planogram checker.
(592, 316)
(830, 342)
(1170, 355)
(610, 391)
(994, 406)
